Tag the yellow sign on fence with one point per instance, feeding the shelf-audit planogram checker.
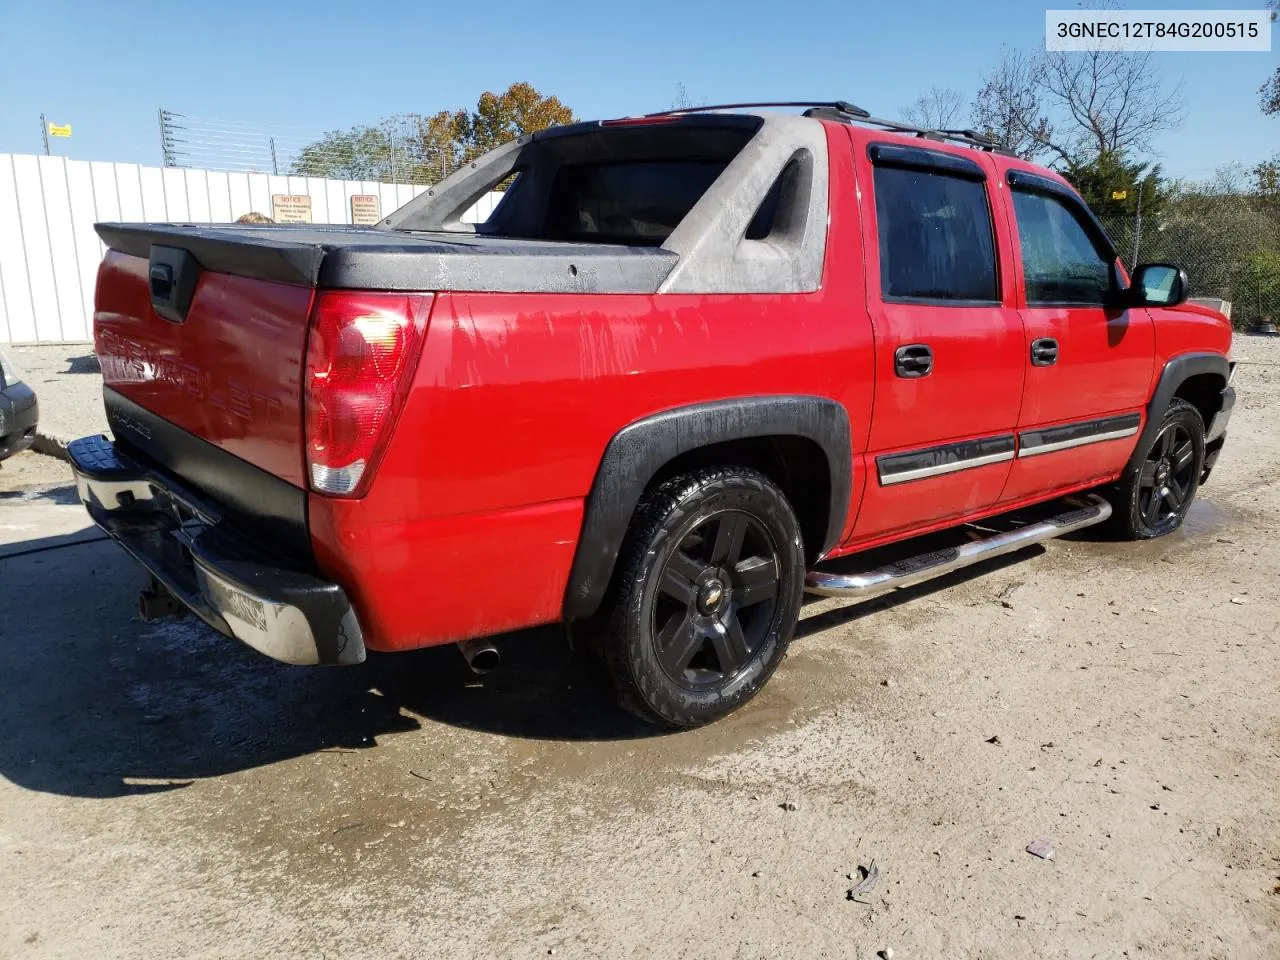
(59, 129)
(1119, 194)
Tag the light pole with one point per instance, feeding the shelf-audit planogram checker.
(1137, 230)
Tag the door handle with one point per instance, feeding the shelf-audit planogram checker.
(913, 360)
(1044, 352)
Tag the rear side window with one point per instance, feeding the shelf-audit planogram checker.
(1060, 262)
(639, 202)
(935, 237)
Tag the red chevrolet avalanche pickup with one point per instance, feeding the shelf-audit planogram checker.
(690, 362)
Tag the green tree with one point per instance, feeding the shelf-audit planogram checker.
(361, 153)
(500, 117)
(1269, 92)
(418, 148)
(1261, 272)
(1266, 180)
(1100, 180)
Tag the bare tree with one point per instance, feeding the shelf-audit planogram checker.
(1010, 106)
(939, 109)
(1077, 106)
(1112, 101)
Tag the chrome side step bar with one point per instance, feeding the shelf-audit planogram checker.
(1088, 511)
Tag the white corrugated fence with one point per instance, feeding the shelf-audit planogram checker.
(49, 253)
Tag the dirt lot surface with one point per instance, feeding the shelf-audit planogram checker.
(68, 384)
(165, 793)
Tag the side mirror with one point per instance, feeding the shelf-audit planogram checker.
(1159, 285)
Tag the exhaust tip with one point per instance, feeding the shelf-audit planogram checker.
(481, 656)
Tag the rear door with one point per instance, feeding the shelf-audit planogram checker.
(1088, 361)
(948, 337)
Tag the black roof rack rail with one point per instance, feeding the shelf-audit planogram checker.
(842, 107)
(846, 112)
(970, 138)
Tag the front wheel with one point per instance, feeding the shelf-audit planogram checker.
(1157, 491)
(705, 598)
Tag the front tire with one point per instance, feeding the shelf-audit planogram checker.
(705, 598)
(1156, 493)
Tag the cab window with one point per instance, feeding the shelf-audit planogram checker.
(935, 237)
(1061, 263)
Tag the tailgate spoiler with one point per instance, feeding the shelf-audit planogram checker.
(338, 257)
(256, 254)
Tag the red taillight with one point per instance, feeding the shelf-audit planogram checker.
(361, 355)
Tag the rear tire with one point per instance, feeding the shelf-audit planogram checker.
(705, 597)
(1155, 494)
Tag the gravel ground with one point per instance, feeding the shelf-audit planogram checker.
(165, 792)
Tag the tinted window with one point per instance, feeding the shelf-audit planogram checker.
(640, 202)
(935, 237)
(1060, 262)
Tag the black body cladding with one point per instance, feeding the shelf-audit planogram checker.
(263, 506)
(637, 452)
(931, 458)
(1175, 373)
(1084, 430)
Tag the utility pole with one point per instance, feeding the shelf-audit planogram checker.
(275, 167)
(44, 132)
(168, 152)
(1137, 230)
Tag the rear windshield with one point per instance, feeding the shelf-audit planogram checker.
(629, 185)
(634, 203)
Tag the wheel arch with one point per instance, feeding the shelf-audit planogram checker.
(792, 439)
(1198, 378)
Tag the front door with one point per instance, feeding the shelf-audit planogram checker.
(948, 339)
(1088, 361)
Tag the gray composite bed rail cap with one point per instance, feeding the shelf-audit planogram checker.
(711, 252)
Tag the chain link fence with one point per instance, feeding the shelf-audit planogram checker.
(401, 150)
(1229, 244)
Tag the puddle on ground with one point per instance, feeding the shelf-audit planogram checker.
(1204, 517)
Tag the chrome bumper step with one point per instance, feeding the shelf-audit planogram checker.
(1084, 511)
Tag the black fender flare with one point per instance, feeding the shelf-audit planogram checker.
(1175, 373)
(639, 450)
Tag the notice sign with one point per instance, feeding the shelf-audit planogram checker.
(59, 129)
(290, 208)
(364, 209)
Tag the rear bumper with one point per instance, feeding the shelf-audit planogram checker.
(19, 413)
(228, 581)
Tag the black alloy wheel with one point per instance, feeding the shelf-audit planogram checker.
(1166, 480)
(705, 596)
(716, 597)
(1156, 492)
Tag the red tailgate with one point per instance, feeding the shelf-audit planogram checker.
(231, 373)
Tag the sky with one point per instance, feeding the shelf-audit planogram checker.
(107, 66)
